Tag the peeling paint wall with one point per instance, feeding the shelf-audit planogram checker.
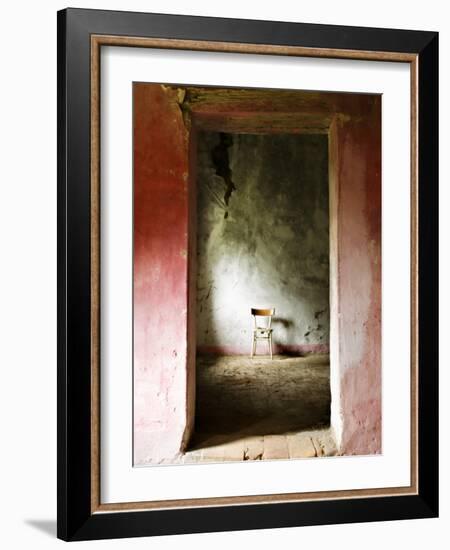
(262, 240)
(160, 294)
(359, 293)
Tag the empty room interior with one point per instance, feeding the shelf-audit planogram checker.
(262, 297)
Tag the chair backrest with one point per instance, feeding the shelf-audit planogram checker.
(257, 312)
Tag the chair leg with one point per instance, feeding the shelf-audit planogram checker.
(253, 347)
(270, 346)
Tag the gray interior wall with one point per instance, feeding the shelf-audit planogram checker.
(262, 239)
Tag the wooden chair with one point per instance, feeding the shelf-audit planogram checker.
(264, 332)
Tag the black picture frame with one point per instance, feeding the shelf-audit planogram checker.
(75, 519)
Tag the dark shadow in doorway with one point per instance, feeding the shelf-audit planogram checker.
(238, 396)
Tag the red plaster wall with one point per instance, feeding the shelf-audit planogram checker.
(160, 272)
(359, 272)
(192, 291)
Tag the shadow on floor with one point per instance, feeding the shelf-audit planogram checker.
(239, 397)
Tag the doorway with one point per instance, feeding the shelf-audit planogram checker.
(167, 123)
(262, 240)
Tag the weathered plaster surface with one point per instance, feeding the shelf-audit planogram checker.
(262, 239)
(160, 272)
(359, 294)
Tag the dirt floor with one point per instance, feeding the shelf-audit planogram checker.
(258, 409)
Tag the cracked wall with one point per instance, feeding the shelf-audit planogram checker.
(262, 240)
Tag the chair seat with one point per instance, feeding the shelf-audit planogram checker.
(262, 332)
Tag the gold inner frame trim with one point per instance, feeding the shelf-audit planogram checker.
(175, 44)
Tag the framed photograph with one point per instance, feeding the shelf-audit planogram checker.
(247, 271)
